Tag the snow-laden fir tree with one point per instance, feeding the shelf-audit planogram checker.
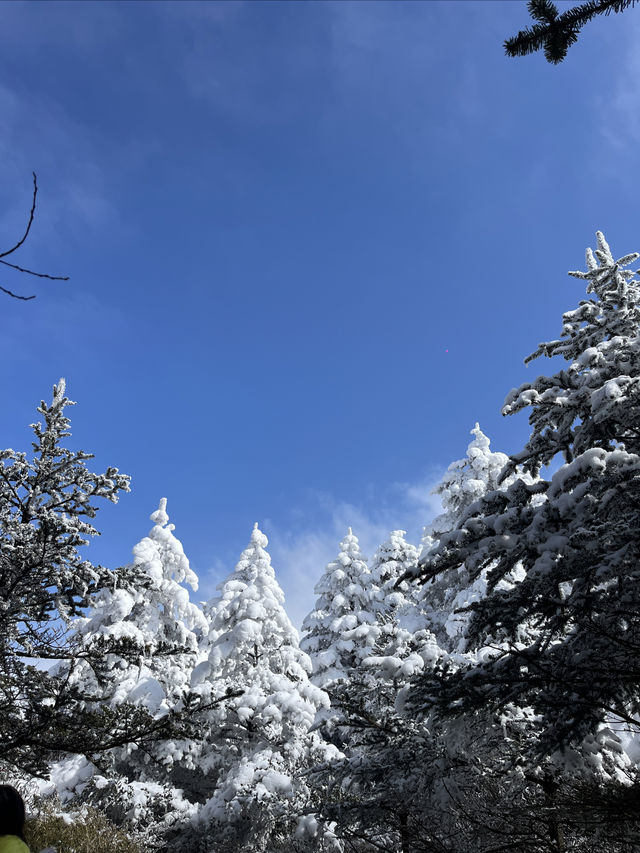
(47, 505)
(377, 774)
(340, 631)
(465, 481)
(399, 640)
(575, 537)
(260, 739)
(393, 559)
(158, 618)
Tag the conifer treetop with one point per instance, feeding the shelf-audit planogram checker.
(340, 630)
(464, 481)
(261, 734)
(577, 408)
(553, 632)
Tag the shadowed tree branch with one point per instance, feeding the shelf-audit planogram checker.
(17, 246)
(554, 33)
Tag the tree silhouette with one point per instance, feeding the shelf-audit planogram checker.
(554, 32)
(10, 251)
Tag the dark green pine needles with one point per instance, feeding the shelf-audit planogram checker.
(554, 32)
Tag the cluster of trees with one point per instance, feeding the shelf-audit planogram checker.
(480, 693)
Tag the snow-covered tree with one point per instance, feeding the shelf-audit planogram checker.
(466, 481)
(260, 738)
(393, 559)
(378, 651)
(143, 782)
(157, 617)
(47, 504)
(340, 631)
(399, 640)
(575, 537)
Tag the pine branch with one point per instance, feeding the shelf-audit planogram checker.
(555, 33)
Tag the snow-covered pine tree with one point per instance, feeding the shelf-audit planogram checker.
(157, 617)
(575, 536)
(140, 781)
(400, 639)
(393, 559)
(260, 739)
(464, 482)
(47, 504)
(340, 631)
(378, 777)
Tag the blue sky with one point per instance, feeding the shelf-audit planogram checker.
(309, 244)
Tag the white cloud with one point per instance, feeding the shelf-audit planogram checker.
(40, 136)
(302, 545)
(301, 551)
(619, 106)
(84, 27)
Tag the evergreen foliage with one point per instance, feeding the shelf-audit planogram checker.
(553, 32)
(574, 537)
(494, 706)
(337, 633)
(142, 782)
(47, 504)
(157, 617)
(446, 599)
(261, 737)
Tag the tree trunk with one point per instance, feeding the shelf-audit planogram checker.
(556, 834)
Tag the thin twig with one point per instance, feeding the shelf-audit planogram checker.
(38, 274)
(17, 246)
(15, 295)
(26, 233)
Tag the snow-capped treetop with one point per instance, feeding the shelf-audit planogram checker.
(466, 480)
(337, 632)
(162, 611)
(391, 561)
(581, 406)
(157, 617)
(573, 539)
(400, 641)
(175, 565)
(261, 732)
(342, 587)
(256, 647)
(248, 611)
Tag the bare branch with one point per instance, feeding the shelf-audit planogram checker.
(29, 224)
(15, 295)
(17, 246)
(37, 274)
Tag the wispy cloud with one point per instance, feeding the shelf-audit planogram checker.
(240, 61)
(27, 27)
(301, 551)
(72, 181)
(619, 106)
(303, 544)
(384, 60)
